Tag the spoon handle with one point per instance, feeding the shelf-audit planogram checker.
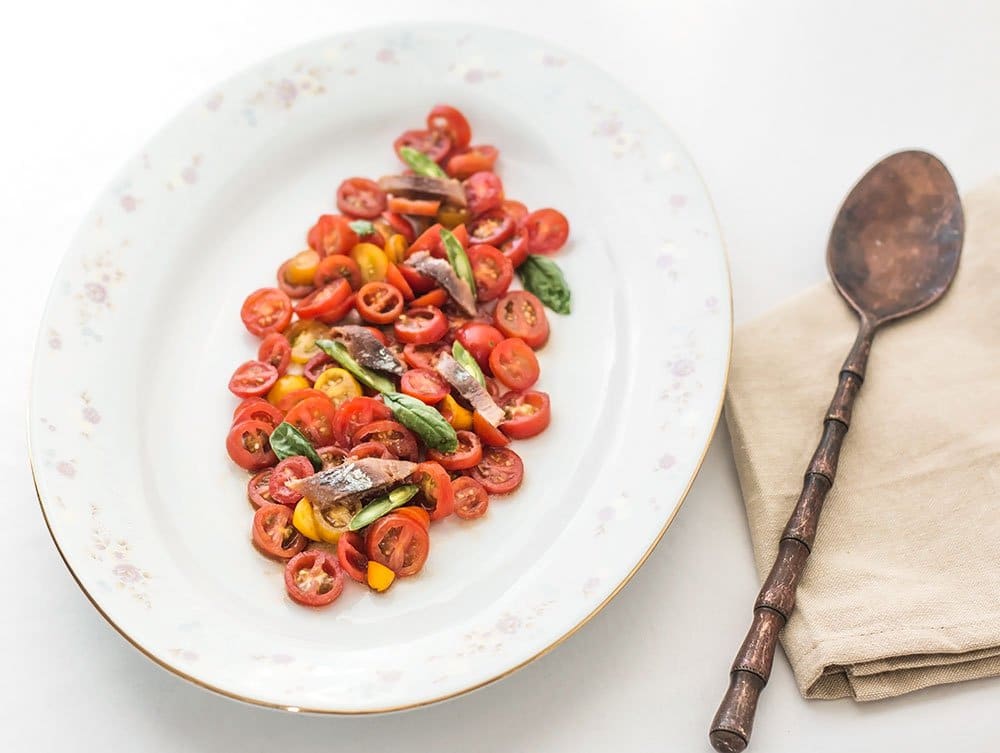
(733, 723)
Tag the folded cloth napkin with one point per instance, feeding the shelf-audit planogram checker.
(902, 590)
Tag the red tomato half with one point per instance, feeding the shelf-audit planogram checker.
(471, 499)
(355, 413)
(252, 379)
(547, 231)
(266, 310)
(493, 227)
(421, 325)
(483, 192)
(527, 413)
(515, 364)
(314, 418)
(336, 266)
(500, 471)
(249, 445)
(397, 438)
(316, 366)
(274, 534)
(289, 469)
(430, 240)
(515, 248)
(332, 234)
(474, 159)
(398, 542)
(493, 271)
(418, 514)
(466, 455)
(292, 291)
(371, 450)
(379, 302)
(259, 411)
(514, 209)
(399, 224)
(421, 207)
(425, 385)
(423, 356)
(437, 297)
(521, 314)
(395, 278)
(436, 495)
(418, 283)
(314, 578)
(435, 144)
(487, 432)
(275, 350)
(324, 302)
(258, 488)
(331, 455)
(479, 339)
(448, 120)
(360, 197)
(351, 554)
(292, 399)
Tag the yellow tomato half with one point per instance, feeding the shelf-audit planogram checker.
(303, 335)
(371, 260)
(395, 248)
(286, 385)
(301, 268)
(339, 385)
(459, 418)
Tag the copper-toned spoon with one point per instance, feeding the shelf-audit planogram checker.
(893, 250)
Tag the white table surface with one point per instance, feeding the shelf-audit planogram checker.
(782, 105)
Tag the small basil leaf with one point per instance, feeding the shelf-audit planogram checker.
(543, 277)
(458, 259)
(361, 227)
(422, 420)
(381, 506)
(467, 362)
(420, 163)
(287, 441)
(338, 352)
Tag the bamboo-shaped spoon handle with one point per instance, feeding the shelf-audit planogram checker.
(733, 721)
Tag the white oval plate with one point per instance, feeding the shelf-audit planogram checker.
(129, 408)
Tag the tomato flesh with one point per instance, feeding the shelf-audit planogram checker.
(471, 498)
(493, 271)
(492, 227)
(314, 417)
(266, 310)
(289, 469)
(355, 413)
(479, 339)
(421, 326)
(446, 119)
(335, 267)
(471, 160)
(258, 488)
(249, 445)
(314, 578)
(259, 410)
(275, 350)
(515, 364)
(351, 555)
(468, 453)
(425, 385)
(521, 314)
(435, 144)
(500, 470)
(325, 301)
(399, 543)
(274, 534)
(399, 440)
(360, 197)
(527, 413)
(379, 303)
(483, 192)
(547, 231)
(332, 234)
(436, 493)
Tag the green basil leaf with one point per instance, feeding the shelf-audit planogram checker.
(422, 420)
(382, 506)
(361, 227)
(543, 277)
(339, 353)
(458, 259)
(287, 441)
(420, 163)
(467, 362)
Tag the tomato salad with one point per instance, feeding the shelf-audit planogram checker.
(395, 365)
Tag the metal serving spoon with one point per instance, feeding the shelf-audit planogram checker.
(893, 251)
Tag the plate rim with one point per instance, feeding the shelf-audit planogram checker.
(555, 643)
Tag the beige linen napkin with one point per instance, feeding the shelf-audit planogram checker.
(902, 590)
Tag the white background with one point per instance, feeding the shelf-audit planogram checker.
(782, 106)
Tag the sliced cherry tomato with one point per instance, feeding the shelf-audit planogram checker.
(430, 241)
(466, 455)
(418, 283)
(355, 413)
(380, 231)
(500, 471)
(258, 488)
(314, 418)
(290, 289)
(332, 234)
(435, 144)
(341, 311)
(337, 266)
(514, 209)
(351, 555)
(487, 432)
(471, 499)
(371, 450)
(395, 278)
(423, 356)
(314, 578)
(493, 272)
(436, 495)
(259, 411)
(249, 445)
(399, 543)
(246, 403)
(331, 455)
(372, 262)
(379, 302)
(289, 469)
(448, 120)
(425, 385)
(515, 364)
(275, 350)
(301, 268)
(360, 197)
(515, 248)
(492, 227)
(459, 418)
(437, 297)
(479, 339)
(252, 379)
(292, 399)
(418, 514)
(483, 192)
(266, 310)
(395, 248)
(325, 301)
(421, 325)
(400, 225)
(274, 534)
(302, 336)
(493, 387)
(527, 413)
(547, 231)
(521, 314)
(397, 438)
(472, 160)
(338, 384)
(316, 366)
(421, 207)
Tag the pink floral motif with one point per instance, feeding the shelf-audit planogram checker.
(667, 462)
(474, 76)
(90, 414)
(129, 202)
(677, 201)
(385, 55)
(55, 341)
(553, 61)
(96, 292)
(683, 367)
(66, 468)
(214, 102)
(508, 624)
